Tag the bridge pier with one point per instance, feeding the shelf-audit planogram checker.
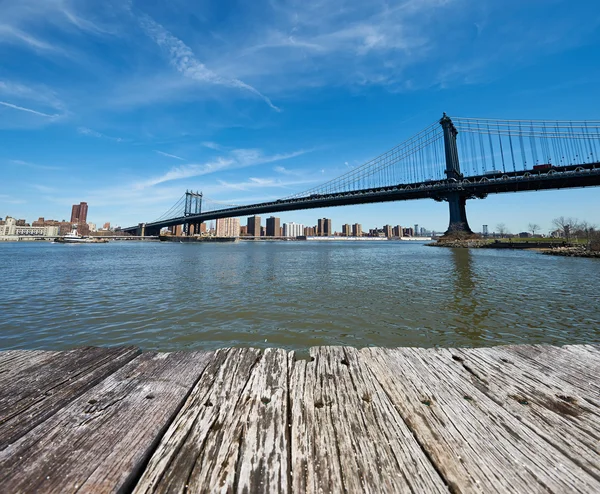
(458, 214)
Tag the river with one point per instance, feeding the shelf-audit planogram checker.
(169, 296)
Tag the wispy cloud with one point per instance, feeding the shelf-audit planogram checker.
(238, 158)
(169, 155)
(212, 145)
(260, 183)
(27, 164)
(29, 110)
(185, 62)
(93, 133)
(14, 34)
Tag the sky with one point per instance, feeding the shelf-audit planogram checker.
(126, 104)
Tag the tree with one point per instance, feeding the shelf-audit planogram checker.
(566, 226)
(501, 229)
(533, 227)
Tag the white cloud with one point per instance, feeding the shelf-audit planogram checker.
(29, 110)
(169, 155)
(238, 158)
(212, 145)
(184, 61)
(93, 133)
(27, 164)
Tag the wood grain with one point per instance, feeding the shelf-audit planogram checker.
(49, 382)
(477, 445)
(101, 440)
(231, 433)
(346, 434)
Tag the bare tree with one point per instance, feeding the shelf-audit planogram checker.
(566, 226)
(533, 227)
(587, 231)
(501, 229)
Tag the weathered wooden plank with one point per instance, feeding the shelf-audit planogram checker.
(101, 440)
(231, 434)
(477, 445)
(347, 435)
(13, 362)
(567, 364)
(33, 395)
(551, 408)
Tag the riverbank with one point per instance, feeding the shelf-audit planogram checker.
(574, 251)
(500, 419)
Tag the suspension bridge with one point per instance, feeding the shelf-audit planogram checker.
(452, 160)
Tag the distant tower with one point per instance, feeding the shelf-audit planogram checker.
(485, 230)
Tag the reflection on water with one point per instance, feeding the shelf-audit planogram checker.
(471, 313)
(291, 294)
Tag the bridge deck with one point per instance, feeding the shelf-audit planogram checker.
(514, 418)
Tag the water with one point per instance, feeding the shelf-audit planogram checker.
(169, 296)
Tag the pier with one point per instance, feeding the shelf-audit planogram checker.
(502, 419)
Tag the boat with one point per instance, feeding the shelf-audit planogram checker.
(74, 238)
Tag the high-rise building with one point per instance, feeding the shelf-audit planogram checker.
(293, 229)
(346, 230)
(228, 227)
(485, 231)
(357, 230)
(416, 229)
(387, 231)
(254, 226)
(92, 227)
(201, 228)
(408, 232)
(397, 231)
(272, 227)
(324, 227)
(79, 213)
(106, 226)
(310, 231)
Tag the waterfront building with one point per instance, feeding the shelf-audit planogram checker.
(408, 232)
(272, 227)
(416, 229)
(201, 229)
(357, 230)
(106, 226)
(92, 227)
(346, 230)
(293, 229)
(243, 230)
(324, 227)
(254, 226)
(387, 231)
(485, 231)
(11, 228)
(228, 227)
(397, 231)
(310, 231)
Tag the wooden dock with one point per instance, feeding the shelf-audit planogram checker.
(502, 419)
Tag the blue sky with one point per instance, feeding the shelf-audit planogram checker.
(127, 104)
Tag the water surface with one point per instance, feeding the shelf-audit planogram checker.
(170, 296)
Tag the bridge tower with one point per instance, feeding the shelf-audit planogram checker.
(193, 206)
(456, 200)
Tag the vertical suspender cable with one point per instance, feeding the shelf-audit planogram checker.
(501, 150)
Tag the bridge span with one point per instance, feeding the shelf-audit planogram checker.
(498, 156)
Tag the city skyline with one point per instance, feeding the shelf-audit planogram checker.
(130, 108)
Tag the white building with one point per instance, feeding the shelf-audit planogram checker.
(92, 227)
(228, 227)
(10, 229)
(293, 229)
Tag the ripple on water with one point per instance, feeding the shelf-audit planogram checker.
(291, 294)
